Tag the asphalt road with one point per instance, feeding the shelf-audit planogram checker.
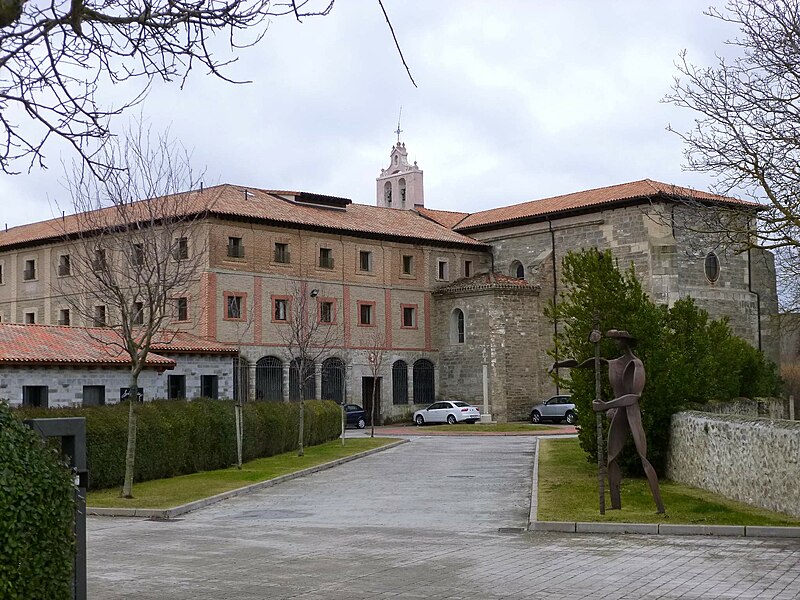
(423, 520)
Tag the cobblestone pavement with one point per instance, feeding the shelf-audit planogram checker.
(418, 521)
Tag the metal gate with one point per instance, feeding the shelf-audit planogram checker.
(400, 382)
(333, 380)
(269, 379)
(424, 392)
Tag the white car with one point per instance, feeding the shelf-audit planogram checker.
(447, 412)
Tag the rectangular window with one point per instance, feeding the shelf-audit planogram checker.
(29, 273)
(280, 306)
(30, 318)
(233, 307)
(408, 264)
(326, 312)
(235, 247)
(182, 309)
(63, 317)
(209, 386)
(99, 262)
(138, 313)
(35, 396)
(325, 258)
(100, 316)
(125, 393)
(94, 395)
(181, 250)
(409, 317)
(1, 274)
(137, 255)
(176, 387)
(281, 253)
(365, 316)
(443, 271)
(467, 268)
(365, 260)
(64, 266)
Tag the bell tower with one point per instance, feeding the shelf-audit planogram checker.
(400, 185)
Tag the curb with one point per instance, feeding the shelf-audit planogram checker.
(750, 531)
(171, 513)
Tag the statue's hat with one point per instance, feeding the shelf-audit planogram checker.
(620, 334)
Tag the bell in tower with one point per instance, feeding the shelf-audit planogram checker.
(400, 185)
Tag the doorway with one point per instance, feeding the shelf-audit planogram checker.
(368, 386)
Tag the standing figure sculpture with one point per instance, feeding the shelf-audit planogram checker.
(627, 378)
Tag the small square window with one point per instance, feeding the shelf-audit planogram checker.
(182, 309)
(365, 314)
(235, 247)
(181, 250)
(64, 317)
(64, 265)
(325, 258)
(29, 273)
(408, 264)
(365, 260)
(100, 316)
(281, 253)
(30, 318)
(409, 316)
(467, 268)
(233, 307)
(326, 312)
(280, 312)
(443, 272)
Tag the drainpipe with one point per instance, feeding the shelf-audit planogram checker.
(555, 292)
(755, 293)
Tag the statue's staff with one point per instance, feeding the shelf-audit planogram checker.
(595, 338)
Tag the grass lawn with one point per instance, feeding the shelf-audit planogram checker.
(490, 427)
(568, 492)
(167, 493)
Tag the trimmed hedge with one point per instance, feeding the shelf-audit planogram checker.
(176, 437)
(36, 512)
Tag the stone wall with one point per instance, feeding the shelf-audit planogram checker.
(749, 459)
(770, 408)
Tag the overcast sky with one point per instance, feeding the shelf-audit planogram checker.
(517, 100)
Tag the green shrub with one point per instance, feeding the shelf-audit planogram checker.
(36, 514)
(177, 437)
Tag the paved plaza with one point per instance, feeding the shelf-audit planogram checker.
(427, 519)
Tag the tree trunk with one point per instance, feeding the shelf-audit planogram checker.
(130, 452)
(374, 404)
(300, 451)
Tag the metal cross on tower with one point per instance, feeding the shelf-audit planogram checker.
(398, 131)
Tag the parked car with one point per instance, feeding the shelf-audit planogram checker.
(557, 409)
(355, 415)
(447, 412)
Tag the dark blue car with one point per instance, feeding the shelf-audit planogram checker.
(355, 415)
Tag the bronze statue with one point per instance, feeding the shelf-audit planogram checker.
(626, 375)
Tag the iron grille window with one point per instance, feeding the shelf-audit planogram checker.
(424, 392)
(325, 258)
(281, 253)
(400, 382)
(269, 379)
(235, 247)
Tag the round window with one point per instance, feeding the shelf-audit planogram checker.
(711, 266)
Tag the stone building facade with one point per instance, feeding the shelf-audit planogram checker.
(389, 281)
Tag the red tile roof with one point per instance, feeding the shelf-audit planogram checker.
(443, 217)
(600, 197)
(271, 206)
(57, 345)
(487, 281)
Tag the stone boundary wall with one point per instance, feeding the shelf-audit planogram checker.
(749, 459)
(771, 408)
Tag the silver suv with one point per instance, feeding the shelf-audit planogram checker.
(557, 409)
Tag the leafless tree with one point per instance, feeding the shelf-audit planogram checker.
(135, 248)
(56, 56)
(307, 339)
(376, 355)
(747, 129)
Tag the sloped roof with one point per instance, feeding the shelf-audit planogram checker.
(485, 281)
(599, 197)
(292, 209)
(447, 218)
(90, 346)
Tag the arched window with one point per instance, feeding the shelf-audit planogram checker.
(457, 326)
(241, 379)
(400, 382)
(333, 377)
(306, 375)
(402, 184)
(424, 392)
(269, 379)
(517, 270)
(387, 192)
(711, 266)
